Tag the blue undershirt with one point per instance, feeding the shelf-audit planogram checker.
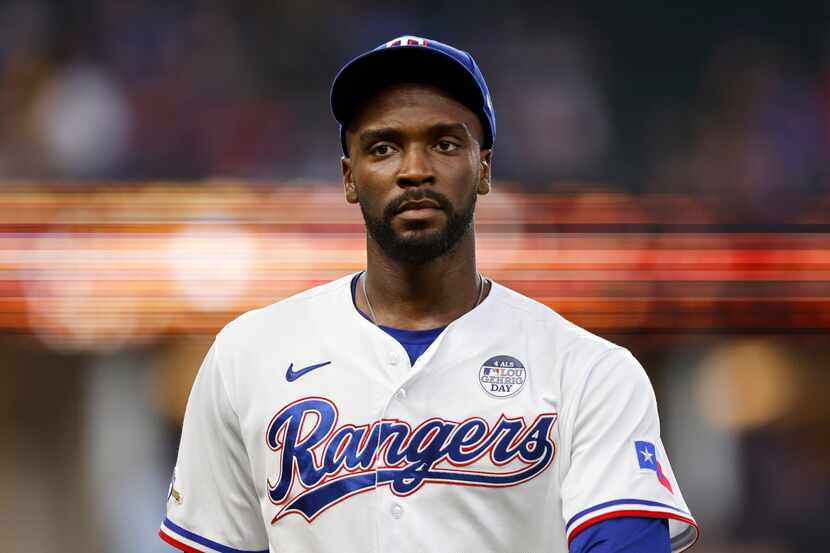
(615, 535)
(415, 342)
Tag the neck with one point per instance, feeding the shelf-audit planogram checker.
(423, 296)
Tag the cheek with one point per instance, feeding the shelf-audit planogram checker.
(464, 178)
(373, 176)
(370, 191)
(376, 177)
(470, 166)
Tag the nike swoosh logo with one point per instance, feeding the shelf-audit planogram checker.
(291, 375)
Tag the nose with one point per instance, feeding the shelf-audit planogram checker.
(416, 167)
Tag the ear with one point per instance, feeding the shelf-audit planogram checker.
(348, 180)
(484, 178)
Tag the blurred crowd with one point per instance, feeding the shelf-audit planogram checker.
(641, 98)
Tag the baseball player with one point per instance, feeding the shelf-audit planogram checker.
(419, 406)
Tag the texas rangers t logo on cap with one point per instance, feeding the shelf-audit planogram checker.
(647, 457)
(407, 40)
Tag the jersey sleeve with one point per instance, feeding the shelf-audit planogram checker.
(212, 503)
(614, 463)
(623, 535)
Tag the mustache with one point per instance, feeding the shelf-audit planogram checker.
(414, 195)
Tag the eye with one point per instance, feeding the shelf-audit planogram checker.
(445, 146)
(381, 150)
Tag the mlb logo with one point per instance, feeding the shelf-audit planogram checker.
(407, 40)
(647, 459)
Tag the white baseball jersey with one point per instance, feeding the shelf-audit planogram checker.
(307, 431)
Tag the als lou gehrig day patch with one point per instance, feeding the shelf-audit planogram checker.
(502, 376)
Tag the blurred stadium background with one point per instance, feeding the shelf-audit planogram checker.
(661, 178)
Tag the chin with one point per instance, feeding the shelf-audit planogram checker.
(419, 247)
(425, 233)
(419, 241)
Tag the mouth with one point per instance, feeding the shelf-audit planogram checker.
(419, 210)
(420, 206)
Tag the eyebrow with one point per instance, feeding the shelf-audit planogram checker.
(370, 136)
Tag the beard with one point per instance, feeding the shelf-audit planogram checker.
(417, 250)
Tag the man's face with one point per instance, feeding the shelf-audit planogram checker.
(415, 167)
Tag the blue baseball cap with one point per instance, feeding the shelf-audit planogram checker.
(412, 59)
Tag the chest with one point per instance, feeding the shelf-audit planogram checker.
(325, 423)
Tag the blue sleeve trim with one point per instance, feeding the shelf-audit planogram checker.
(624, 535)
(204, 541)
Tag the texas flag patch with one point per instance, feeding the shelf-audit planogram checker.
(647, 457)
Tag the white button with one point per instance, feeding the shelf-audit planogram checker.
(393, 358)
(396, 510)
(401, 394)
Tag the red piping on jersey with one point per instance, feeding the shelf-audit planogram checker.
(177, 544)
(634, 513)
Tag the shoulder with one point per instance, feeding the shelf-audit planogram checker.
(574, 358)
(306, 309)
(544, 323)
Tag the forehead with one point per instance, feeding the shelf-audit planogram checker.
(412, 104)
